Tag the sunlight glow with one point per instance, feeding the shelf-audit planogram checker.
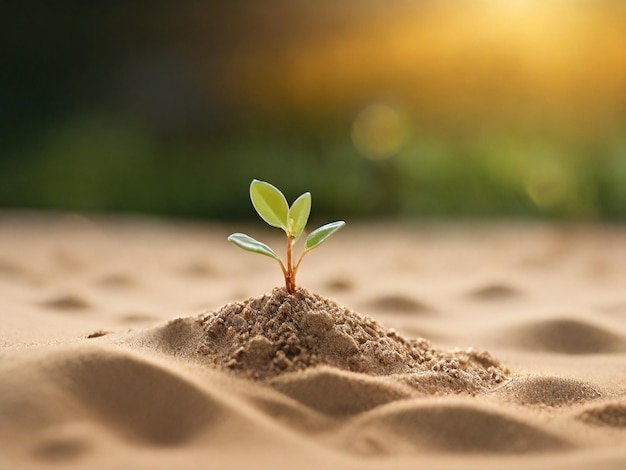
(558, 60)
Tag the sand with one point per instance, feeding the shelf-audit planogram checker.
(141, 343)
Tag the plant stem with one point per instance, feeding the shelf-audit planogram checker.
(282, 267)
(295, 269)
(290, 276)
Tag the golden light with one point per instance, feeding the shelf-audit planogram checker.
(561, 61)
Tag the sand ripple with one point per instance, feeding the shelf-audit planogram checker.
(67, 303)
(455, 427)
(339, 393)
(495, 291)
(611, 414)
(567, 336)
(550, 391)
(397, 303)
(113, 387)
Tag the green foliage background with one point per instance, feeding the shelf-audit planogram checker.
(100, 110)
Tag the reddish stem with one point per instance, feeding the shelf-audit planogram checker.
(290, 275)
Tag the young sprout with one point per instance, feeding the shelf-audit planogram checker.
(272, 206)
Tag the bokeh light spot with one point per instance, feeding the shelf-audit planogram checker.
(547, 185)
(379, 131)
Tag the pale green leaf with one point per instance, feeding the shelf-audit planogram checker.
(299, 214)
(318, 236)
(250, 244)
(270, 204)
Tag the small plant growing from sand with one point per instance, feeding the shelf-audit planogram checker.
(272, 206)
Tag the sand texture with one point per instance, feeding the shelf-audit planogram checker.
(138, 343)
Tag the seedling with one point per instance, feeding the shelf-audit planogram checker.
(272, 206)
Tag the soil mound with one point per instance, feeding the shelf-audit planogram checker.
(278, 333)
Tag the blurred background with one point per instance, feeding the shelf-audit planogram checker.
(501, 108)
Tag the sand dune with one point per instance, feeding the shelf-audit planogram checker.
(566, 336)
(612, 414)
(550, 391)
(117, 281)
(494, 291)
(338, 393)
(105, 363)
(66, 303)
(456, 427)
(397, 304)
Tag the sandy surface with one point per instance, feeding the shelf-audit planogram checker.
(96, 372)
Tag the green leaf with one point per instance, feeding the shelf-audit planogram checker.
(299, 214)
(250, 244)
(270, 204)
(318, 236)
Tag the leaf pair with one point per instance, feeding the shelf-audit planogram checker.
(272, 206)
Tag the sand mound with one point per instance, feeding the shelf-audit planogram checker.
(495, 291)
(116, 281)
(551, 391)
(612, 414)
(339, 393)
(109, 384)
(398, 303)
(339, 284)
(62, 443)
(10, 270)
(454, 428)
(65, 303)
(566, 336)
(279, 333)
